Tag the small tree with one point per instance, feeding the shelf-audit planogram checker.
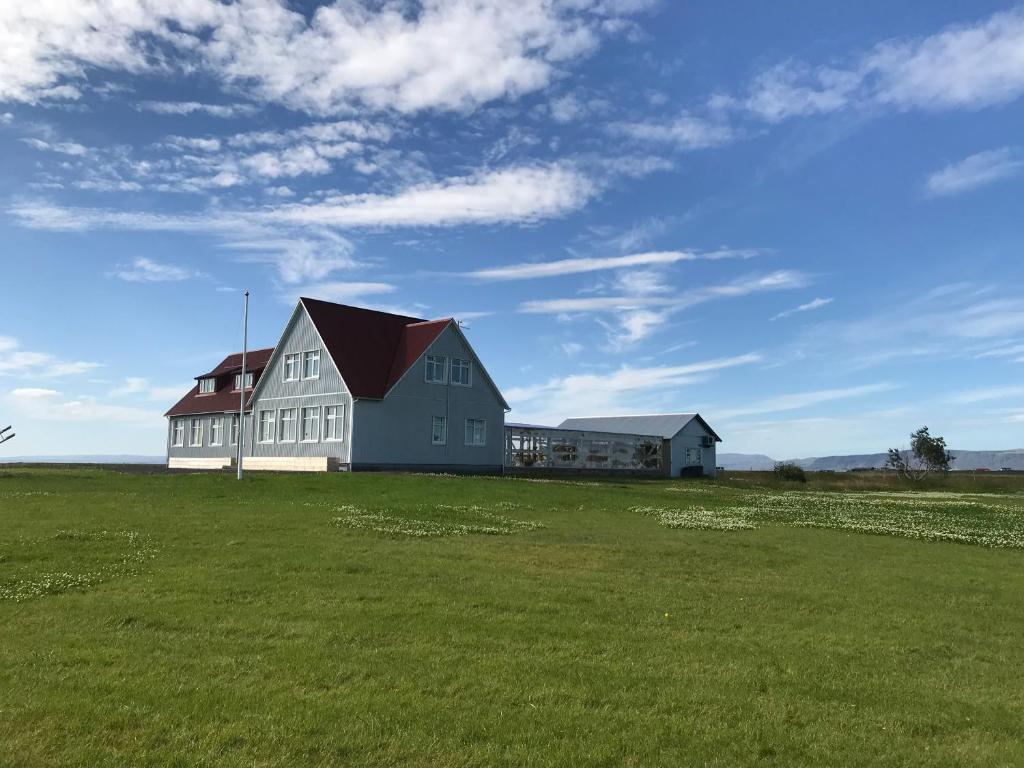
(786, 470)
(927, 454)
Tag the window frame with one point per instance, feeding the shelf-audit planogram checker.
(292, 357)
(272, 423)
(339, 421)
(210, 381)
(431, 362)
(469, 371)
(306, 355)
(483, 432)
(193, 423)
(177, 433)
(443, 421)
(216, 425)
(294, 411)
(233, 430)
(249, 379)
(315, 409)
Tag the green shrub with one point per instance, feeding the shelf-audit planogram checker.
(785, 470)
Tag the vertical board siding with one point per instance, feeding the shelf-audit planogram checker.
(275, 394)
(204, 451)
(397, 429)
(690, 437)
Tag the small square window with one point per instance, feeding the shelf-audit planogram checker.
(461, 372)
(435, 369)
(291, 367)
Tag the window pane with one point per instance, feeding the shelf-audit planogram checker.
(439, 430)
(311, 424)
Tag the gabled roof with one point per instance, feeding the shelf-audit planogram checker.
(224, 398)
(664, 425)
(371, 349)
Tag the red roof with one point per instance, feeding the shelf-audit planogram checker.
(224, 398)
(371, 349)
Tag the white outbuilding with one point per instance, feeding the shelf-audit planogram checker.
(690, 439)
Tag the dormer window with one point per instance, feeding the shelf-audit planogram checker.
(238, 381)
(207, 386)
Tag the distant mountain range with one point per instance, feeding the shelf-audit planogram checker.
(101, 459)
(965, 460)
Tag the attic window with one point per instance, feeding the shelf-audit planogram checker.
(461, 372)
(207, 386)
(238, 381)
(435, 369)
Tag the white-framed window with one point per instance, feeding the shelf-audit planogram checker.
(234, 429)
(310, 424)
(287, 429)
(207, 386)
(311, 364)
(461, 372)
(195, 434)
(178, 432)
(439, 430)
(216, 430)
(334, 422)
(434, 369)
(692, 457)
(476, 432)
(248, 381)
(291, 367)
(266, 426)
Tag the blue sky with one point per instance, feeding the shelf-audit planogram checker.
(800, 219)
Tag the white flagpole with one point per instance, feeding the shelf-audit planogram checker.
(241, 405)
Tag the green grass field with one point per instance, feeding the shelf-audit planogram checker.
(379, 620)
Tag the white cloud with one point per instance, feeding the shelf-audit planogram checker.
(191, 107)
(37, 365)
(975, 171)
(141, 386)
(63, 147)
(622, 391)
(778, 280)
(808, 307)
(1005, 350)
(34, 393)
(342, 56)
(989, 393)
(570, 348)
(801, 400)
(686, 132)
(146, 270)
(528, 270)
(520, 194)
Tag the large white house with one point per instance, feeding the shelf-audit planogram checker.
(347, 388)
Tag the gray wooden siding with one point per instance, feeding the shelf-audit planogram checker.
(396, 431)
(276, 394)
(205, 451)
(690, 437)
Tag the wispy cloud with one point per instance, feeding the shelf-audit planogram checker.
(624, 390)
(530, 270)
(809, 306)
(975, 171)
(19, 362)
(191, 107)
(341, 292)
(146, 270)
(773, 281)
(800, 400)
(1015, 392)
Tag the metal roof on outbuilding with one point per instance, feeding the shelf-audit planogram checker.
(665, 425)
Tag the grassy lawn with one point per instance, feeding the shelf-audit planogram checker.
(374, 620)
